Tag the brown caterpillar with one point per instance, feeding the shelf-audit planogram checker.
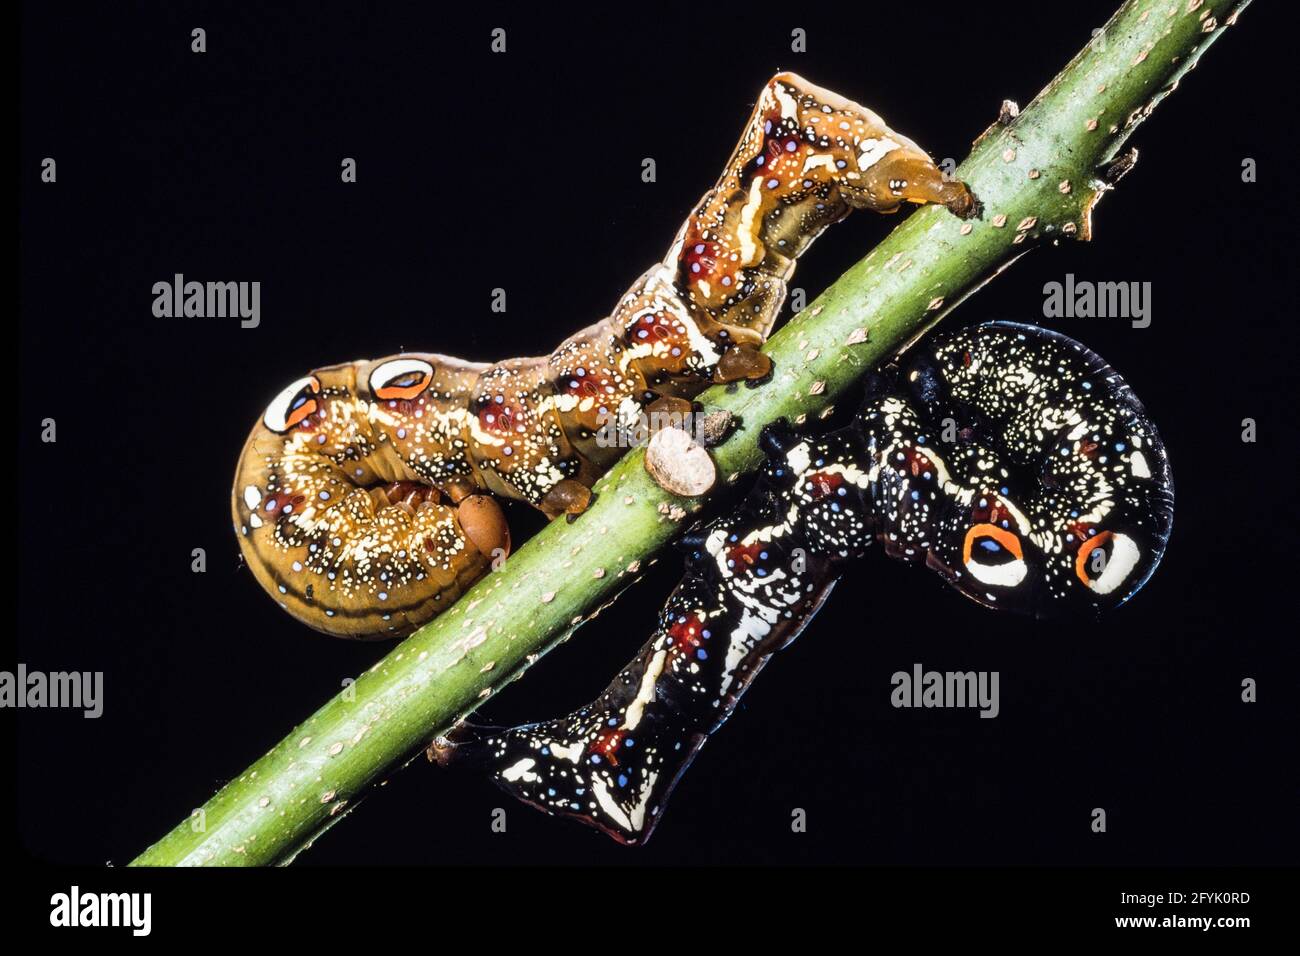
(362, 497)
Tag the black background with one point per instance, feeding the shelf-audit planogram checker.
(523, 171)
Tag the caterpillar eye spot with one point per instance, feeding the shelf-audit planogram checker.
(400, 378)
(292, 405)
(1105, 561)
(993, 555)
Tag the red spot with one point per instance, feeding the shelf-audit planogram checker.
(702, 259)
(1082, 530)
(501, 418)
(917, 463)
(585, 384)
(745, 556)
(778, 146)
(685, 632)
(965, 359)
(276, 504)
(993, 511)
(606, 745)
(822, 484)
(656, 326)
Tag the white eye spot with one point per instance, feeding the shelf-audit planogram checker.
(287, 402)
(252, 496)
(400, 373)
(1124, 555)
(1006, 575)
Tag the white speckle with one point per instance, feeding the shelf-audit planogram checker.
(523, 770)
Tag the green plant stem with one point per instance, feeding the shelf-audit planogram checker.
(1038, 176)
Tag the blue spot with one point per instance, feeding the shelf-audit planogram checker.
(622, 780)
(595, 758)
(702, 654)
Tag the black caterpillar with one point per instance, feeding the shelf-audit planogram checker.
(1051, 496)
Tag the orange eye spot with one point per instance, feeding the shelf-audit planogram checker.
(293, 406)
(299, 413)
(1001, 535)
(1085, 552)
(400, 379)
(404, 387)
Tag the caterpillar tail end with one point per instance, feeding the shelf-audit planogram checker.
(484, 524)
(906, 174)
(463, 745)
(926, 183)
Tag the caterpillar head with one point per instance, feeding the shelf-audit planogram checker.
(1020, 465)
(332, 519)
(316, 414)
